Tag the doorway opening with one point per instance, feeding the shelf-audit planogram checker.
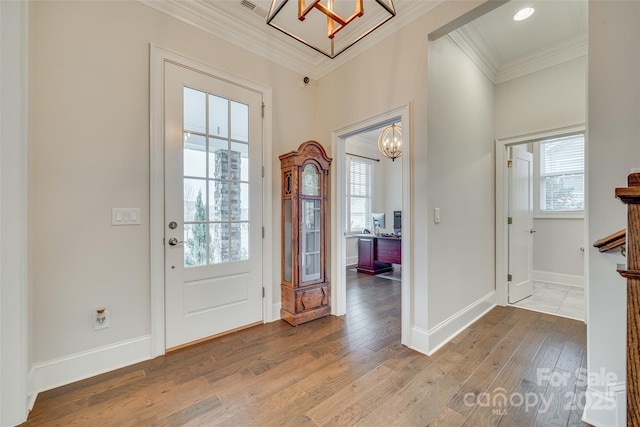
(373, 202)
(540, 226)
(355, 147)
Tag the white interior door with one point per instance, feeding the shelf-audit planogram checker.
(213, 205)
(521, 227)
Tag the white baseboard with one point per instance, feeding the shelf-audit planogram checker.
(559, 278)
(75, 367)
(606, 408)
(275, 313)
(351, 261)
(428, 342)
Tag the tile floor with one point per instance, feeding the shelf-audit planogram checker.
(552, 298)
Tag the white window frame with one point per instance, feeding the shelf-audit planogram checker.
(537, 211)
(369, 205)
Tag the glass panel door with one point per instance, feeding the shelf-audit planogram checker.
(213, 205)
(286, 243)
(310, 232)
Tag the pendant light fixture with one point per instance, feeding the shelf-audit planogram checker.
(322, 24)
(390, 142)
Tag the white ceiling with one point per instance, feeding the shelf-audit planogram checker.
(501, 47)
(505, 49)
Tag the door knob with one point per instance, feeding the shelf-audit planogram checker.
(173, 241)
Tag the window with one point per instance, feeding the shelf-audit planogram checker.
(358, 192)
(216, 179)
(561, 176)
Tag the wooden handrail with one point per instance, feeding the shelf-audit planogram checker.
(612, 241)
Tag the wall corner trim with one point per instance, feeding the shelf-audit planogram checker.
(443, 332)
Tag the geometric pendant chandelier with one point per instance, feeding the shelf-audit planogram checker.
(329, 26)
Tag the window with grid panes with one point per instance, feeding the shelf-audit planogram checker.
(359, 191)
(561, 184)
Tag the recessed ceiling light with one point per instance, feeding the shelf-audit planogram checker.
(523, 14)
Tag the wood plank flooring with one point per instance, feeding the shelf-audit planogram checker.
(345, 371)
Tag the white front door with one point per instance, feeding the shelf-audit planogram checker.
(521, 226)
(213, 205)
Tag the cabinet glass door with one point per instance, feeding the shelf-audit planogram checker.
(310, 232)
(286, 243)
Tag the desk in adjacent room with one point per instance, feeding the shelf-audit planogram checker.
(376, 254)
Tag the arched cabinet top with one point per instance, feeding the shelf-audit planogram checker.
(308, 151)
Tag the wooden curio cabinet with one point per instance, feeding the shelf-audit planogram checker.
(305, 288)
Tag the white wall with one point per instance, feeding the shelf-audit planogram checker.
(613, 149)
(351, 251)
(14, 324)
(461, 180)
(551, 98)
(89, 134)
(557, 254)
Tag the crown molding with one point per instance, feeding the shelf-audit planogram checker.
(549, 56)
(483, 61)
(235, 24)
(229, 28)
(486, 59)
(476, 39)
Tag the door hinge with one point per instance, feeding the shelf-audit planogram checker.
(509, 278)
(263, 292)
(263, 231)
(262, 110)
(509, 163)
(509, 220)
(263, 171)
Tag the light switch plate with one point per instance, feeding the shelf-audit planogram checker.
(436, 215)
(125, 216)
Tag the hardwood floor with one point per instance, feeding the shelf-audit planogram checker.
(345, 371)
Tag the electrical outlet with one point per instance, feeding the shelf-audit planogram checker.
(100, 319)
